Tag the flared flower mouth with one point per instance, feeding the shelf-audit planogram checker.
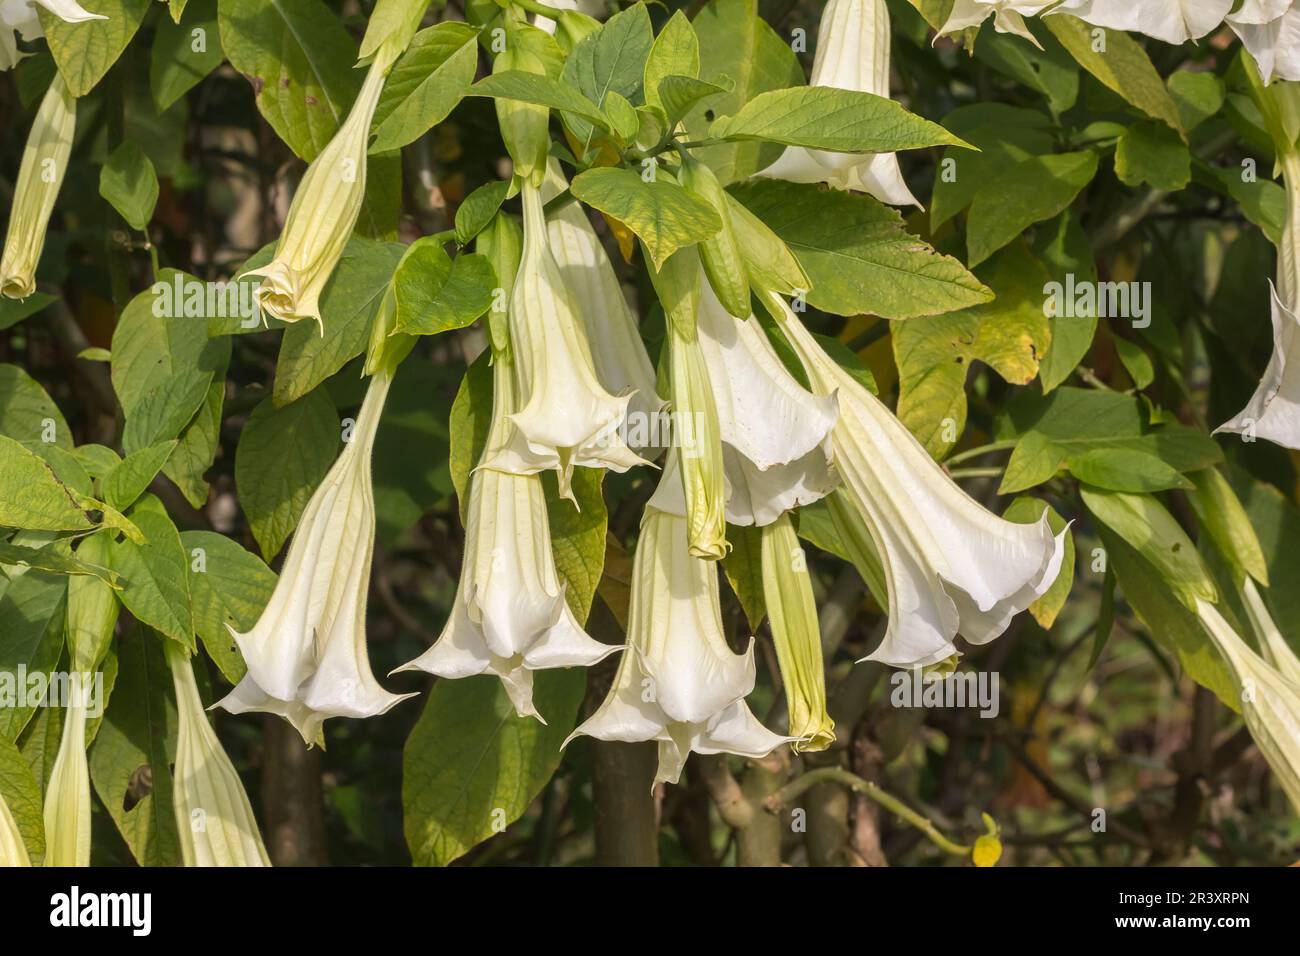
(17, 287)
(1273, 412)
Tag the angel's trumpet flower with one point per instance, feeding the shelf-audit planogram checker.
(40, 176)
(792, 615)
(566, 417)
(1272, 644)
(213, 815)
(1270, 32)
(92, 611)
(950, 566)
(678, 682)
(324, 210)
(1174, 21)
(21, 16)
(609, 324)
(1273, 412)
(306, 655)
(1270, 703)
(1008, 16)
(852, 54)
(510, 616)
(13, 852)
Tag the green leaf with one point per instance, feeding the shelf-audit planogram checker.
(664, 215)
(436, 293)
(1197, 95)
(934, 354)
(471, 415)
(1150, 152)
(578, 536)
(155, 575)
(743, 51)
(1136, 362)
(22, 796)
(13, 311)
(32, 609)
(130, 763)
(348, 306)
(1168, 621)
(479, 209)
(283, 454)
(425, 84)
(32, 497)
(1125, 469)
(821, 117)
(228, 586)
(1277, 525)
(681, 94)
(540, 90)
(471, 764)
(197, 448)
(1151, 531)
(162, 366)
(299, 59)
(676, 52)
(1026, 510)
(1122, 65)
(1019, 195)
(611, 60)
(128, 480)
(743, 566)
(52, 560)
(27, 413)
(175, 65)
(1221, 513)
(408, 486)
(1065, 251)
(85, 51)
(1049, 70)
(858, 254)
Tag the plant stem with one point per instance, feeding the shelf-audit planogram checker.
(851, 780)
(542, 9)
(975, 472)
(970, 453)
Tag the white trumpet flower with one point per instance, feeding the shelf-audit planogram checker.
(1173, 21)
(566, 417)
(213, 816)
(852, 54)
(306, 655)
(610, 327)
(40, 177)
(776, 435)
(950, 566)
(13, 852)
(1270, 32)
(678, 682)
(21, 16)
(1273, 412)
(324, 210)
(1270, 703)
(1008, 16)
(67, 799)
(1271, 642)
(510, 616)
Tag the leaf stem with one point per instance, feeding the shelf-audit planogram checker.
(851, 780)
(542, 9)
(975, 472)
(1004, 445)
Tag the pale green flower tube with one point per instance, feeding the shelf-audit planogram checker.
(40, 176)
(324, 210)
(1270, 704)
(792, 615)
(1273, 645)
(12, 850)
(213, 816)
(91, 616)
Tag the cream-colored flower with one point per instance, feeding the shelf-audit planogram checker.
(1008, 16)
(607, 321)
(852, 54)
(1174, 21)
(1273, 645)
(510, 616)
(213, 816)
(1270, 32)
(306, 655)
(324, 210)
(678, 682)
(566, 417)
(796, 633)
(40, 177)
(92, 611)
(13, 852)
(950, 566)
(1270, 704)
(21, 16)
